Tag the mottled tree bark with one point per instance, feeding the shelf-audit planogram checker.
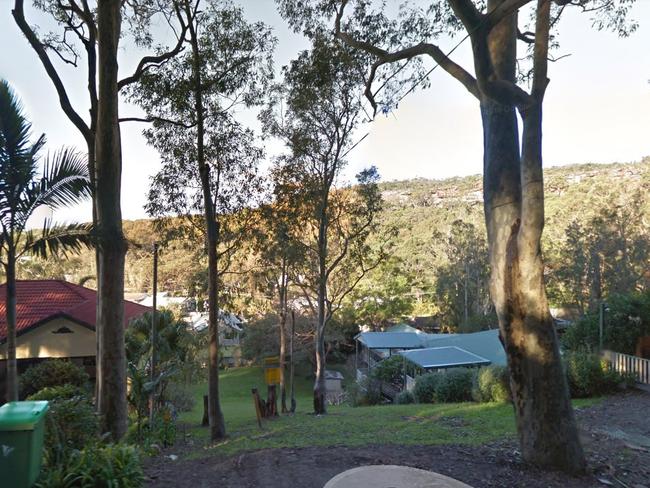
(111, 398)
(320, 387)
(514, 211)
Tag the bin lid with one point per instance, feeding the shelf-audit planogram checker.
(21, 415)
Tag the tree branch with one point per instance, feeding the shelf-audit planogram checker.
(385, 57)
(150, 61)
(18, 14)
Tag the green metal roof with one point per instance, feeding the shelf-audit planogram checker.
(443, 357)
(391, 340)
(485, 344)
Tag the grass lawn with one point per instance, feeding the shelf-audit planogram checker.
(463, 423)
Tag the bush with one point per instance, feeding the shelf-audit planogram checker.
(364, 394)
(390, 370)
(405, 398)
(492, 384)
(455, 385)
(425, 387)
(53, 372)
(180, 396)
(70, 423)
(452, 385)
(96, 467)
(588, 375)
(627, 320)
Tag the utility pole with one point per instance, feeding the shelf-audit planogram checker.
(154, 334)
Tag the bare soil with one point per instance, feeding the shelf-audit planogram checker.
(615, 435)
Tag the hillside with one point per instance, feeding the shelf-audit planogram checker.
(423, 211)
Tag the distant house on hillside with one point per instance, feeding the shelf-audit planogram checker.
(55, 319)
(231, 328)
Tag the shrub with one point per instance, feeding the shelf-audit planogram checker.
(390, 370)
(455, 385)
(180, 396)
(492, 384)
(70, 423)
(425, 387)
(96, 467)
(588, 375)
(53, 372)
(364, 394)
(405, 398)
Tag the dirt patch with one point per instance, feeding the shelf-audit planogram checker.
(614, 459)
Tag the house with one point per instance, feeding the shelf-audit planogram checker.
(55, 319)
(231, 328)
(428, 351)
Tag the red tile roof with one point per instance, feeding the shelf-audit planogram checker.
(38, 301)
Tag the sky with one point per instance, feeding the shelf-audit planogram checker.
(597, 107)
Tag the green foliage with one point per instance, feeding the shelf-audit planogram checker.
(627, 319)
(364, 394)
(590, 376)
(492, 384)
(448, 386)
(179, 395)
(95, 466)
(390, 370)
(405, 398)
(52, 372)
(70, 423)
(425, 387)
(384, 295)
(455, 385)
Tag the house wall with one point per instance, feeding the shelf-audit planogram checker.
(42, 343)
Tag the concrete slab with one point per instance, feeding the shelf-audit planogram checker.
(387, 476)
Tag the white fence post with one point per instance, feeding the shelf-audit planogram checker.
(624, 363)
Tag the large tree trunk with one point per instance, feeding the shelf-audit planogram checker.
(514, 214)
(12, 367)
(283, 336)
(111, 401)
(215, 415)
(320, 388)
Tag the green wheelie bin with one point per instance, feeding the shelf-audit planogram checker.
(22, 427)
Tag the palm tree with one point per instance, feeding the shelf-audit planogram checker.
(64, 181)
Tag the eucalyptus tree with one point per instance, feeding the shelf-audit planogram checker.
(209, 159)
(321, 92)
(64, 181)
(92, 32)
(461, 283)
(279, 255)
(513, 177)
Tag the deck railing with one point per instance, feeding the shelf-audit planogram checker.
(624, 363)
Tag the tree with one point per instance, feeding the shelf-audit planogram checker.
(279, 256)
(461, 284)
(321, 89)
(64, 181)
(98, 30)
(604, 255)
(209, 159)
(383, 296)
(513, 178)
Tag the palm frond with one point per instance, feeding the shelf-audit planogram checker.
(59, 239)
(65, 181)
(18, 156)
